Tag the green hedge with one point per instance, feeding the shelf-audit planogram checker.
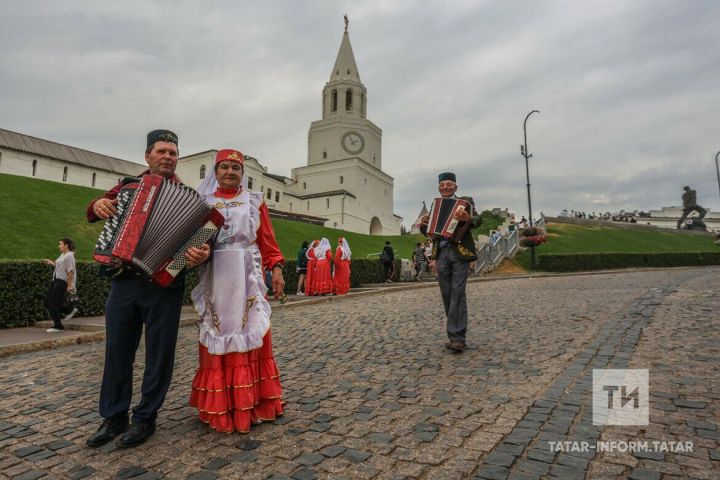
(602, 261)
(23, 284)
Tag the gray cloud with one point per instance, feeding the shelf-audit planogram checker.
(626, 90)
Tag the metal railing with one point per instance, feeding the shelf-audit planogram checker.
(490, 255)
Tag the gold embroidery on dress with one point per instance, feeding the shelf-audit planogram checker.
(248, 305)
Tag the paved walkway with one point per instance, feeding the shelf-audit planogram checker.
(371, 391)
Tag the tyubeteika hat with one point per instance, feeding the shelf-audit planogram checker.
(229, 154)
(161, 136)
(446, 176)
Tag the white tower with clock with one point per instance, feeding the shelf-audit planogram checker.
(343, 180)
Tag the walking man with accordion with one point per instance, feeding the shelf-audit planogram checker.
(135, 302)
(448, 224)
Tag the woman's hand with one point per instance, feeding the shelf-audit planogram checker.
(47, 261)
(196, 256)
(278, 282)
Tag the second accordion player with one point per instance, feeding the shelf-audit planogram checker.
(157, 220)
(442, 223)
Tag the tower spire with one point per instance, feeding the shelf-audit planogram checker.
(345, 67)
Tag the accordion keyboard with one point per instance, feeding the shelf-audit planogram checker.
(106, 239)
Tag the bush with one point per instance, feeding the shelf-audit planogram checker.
(602, 261)
(24, 283)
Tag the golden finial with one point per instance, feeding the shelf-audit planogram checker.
(347, 21)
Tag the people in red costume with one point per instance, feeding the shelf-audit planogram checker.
(322, 277)
(237, 383)
(310, 275)
(341, 278)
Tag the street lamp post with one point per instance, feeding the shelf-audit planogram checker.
(524, 152)
(718, 170)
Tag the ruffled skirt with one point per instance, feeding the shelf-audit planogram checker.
(235, 390)
(321, 282)
(341, 280)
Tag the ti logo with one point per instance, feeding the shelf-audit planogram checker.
(621, 397)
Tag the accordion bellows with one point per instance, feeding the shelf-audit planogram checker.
(157, 220)
(442, 223)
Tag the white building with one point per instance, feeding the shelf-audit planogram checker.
(33, 157)
(342, 183)
(343, 180)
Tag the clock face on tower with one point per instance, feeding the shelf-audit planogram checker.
(352, 142)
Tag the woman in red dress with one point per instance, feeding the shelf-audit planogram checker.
(237, 383)
(310, 275)
(341, 279)
(322, 278)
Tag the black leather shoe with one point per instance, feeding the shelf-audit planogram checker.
(110, 428)
(136, 435)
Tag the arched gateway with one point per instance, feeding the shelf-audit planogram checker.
(375, 226)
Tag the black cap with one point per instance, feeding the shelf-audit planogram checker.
(161, 136)
(447, 176)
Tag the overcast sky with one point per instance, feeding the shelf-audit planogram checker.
(628, 90)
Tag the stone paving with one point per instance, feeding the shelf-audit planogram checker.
(371, 391)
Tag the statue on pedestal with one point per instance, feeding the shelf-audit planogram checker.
(689, 198)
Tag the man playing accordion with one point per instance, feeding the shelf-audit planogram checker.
(452, 255)
(134, 302)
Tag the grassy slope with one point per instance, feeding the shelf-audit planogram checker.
(35, 214)
(565, 238)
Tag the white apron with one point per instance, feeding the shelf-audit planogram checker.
(230, 297)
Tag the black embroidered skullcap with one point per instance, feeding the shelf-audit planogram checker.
(161, 136)
(447, 176)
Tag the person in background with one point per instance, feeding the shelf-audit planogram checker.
(341, 278)
(237, 383)
(64, 281)
(420, 260)
(301, 266)
(322, 277)
(311, 262)
(387, 258)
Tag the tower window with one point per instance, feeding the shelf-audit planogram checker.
(373, 159)
(324, 153)
(202, 172)
(250, 182)
(348, 71)
(341, 179)
(291, 206)
(348, 99)
(34, 171)
(308, 205)
(269, 193)
(334, 101)
(362, 105)
(64, 174)
(366, 181)
(93, 179)
(327, 203)
(277, 196)
(304, 186)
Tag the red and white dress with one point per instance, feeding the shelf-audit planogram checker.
(341, 280)
(237, 382)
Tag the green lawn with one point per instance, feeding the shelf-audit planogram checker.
(568, 238)
(35, 214)
(564, 238)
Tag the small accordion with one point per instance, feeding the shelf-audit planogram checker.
(442, 223)
(157, 220)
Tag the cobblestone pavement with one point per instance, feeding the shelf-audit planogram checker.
(371, 391)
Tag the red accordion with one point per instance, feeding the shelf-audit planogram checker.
(157, 220)
(442, 223)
